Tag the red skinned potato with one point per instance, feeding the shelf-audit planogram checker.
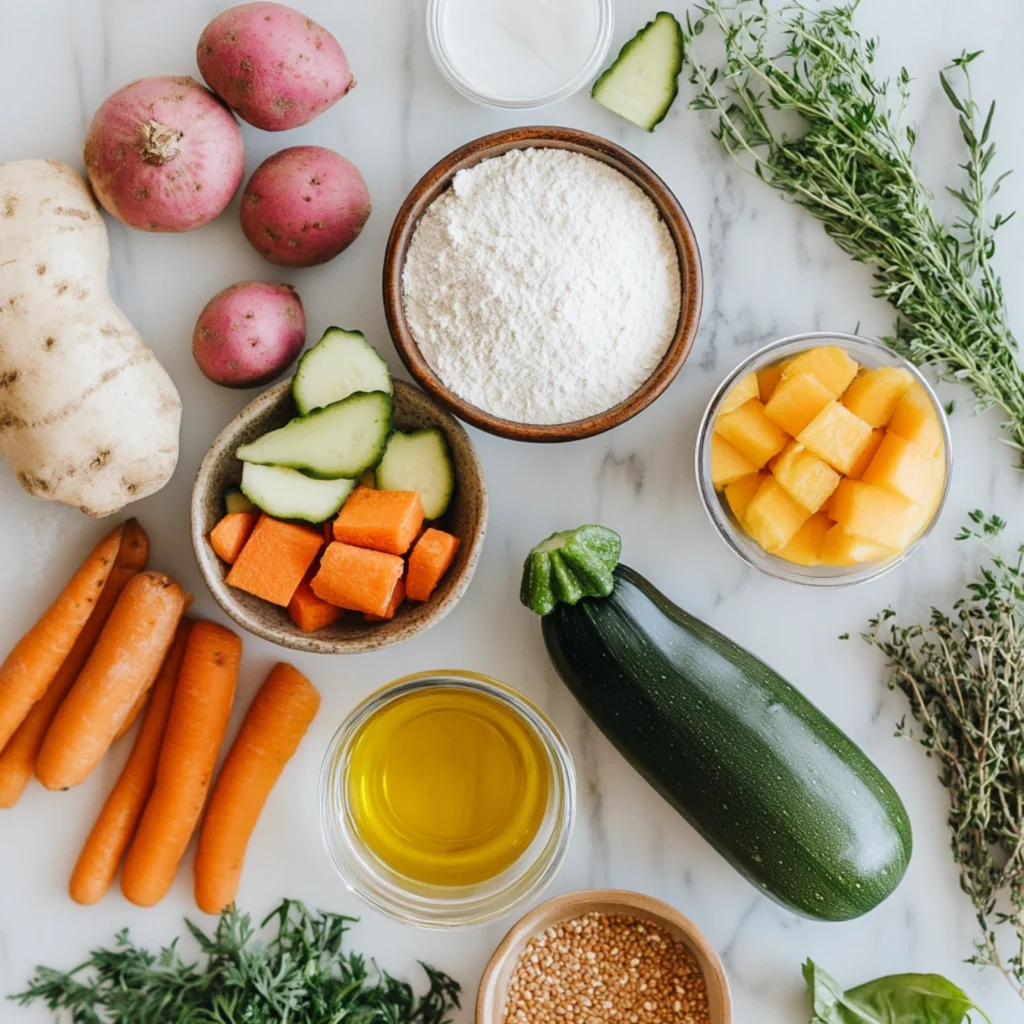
(303, 206)
(273, 66)
(164, 154)
(249, 333)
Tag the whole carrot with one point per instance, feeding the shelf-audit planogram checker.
(101, 856)
(19, 756)
(124, 664)
(30, 667)
(273, 727)
(192, 741)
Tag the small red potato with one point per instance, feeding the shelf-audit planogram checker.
(249, 333)
(273, 66)
(303, 206)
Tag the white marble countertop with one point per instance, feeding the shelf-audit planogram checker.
(769, 272)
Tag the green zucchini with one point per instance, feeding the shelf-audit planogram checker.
(773, 785)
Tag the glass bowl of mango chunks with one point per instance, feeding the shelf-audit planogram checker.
(824, 459)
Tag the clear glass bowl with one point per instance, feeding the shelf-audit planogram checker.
(436, 906)
(868, 353)
(448, 66)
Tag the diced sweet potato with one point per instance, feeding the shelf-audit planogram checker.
(874, 395)
(740, 493)
(748, 429)
(310, 612)
(359, 579)
(727, 463)
(833, 366)
(741, 392)
(429, 561)
(805, 547)
(275, 560)
(806, 478)
(230, 535)
(382, 520)
(773, 517)
(796, 401)
(907, 469)
(915, 420)
(837, 436)
(397, 597)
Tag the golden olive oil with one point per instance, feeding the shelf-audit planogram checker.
(448, 786)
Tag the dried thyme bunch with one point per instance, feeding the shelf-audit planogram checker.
(964, 676)
(849, 161)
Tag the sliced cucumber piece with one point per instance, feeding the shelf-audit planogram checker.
(339, 441)
(236, 501)
(420, 462)
(289, 494)
(644, 80)
(340, 364)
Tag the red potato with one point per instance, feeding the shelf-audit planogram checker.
(303, 206)
(164, 154)
(273, 66)
(249, 333)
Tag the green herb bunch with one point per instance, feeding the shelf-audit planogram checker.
(850, 163)
(301, 975)
(964, 676)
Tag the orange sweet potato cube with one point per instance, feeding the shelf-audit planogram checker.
(310, 612)
(382, 520)
(359, 579)
(430, 560)
(275, 559)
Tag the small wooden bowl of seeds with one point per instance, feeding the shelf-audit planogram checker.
(604, 955)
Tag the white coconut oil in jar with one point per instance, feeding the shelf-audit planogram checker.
(519, 53)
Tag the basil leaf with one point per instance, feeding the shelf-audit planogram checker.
(895, 999)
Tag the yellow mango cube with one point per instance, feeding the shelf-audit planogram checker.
(876, 514)
(727, 463)
(841, 502)
(874, 395)
(743, 391)
(837, 436)
(865, 457)
(740, 493)
(805, 478)
(842, 548)
(833, 366)
(796, 401)
(805, 547)
(907, 469)
(915, 420)
(748, 429)
(773, 517)
(768, 380)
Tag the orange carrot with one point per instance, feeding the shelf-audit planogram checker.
(357, 578)
(273, 727)
(381, 520)
(19, 756)
(101, 856)
(38, 655)
(124, 664)
(192, 740)
(229, 536)
(275, 559)
(430, 559)
(308, 612)
(397, 597)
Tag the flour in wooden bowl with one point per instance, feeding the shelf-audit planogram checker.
(543, 286)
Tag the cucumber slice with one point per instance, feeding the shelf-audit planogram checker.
(340, 364)
(236, 501)
(289, 494)
(644, 80)
(339, 441)
(420, 462)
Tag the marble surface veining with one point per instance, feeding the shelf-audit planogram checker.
(769, 272)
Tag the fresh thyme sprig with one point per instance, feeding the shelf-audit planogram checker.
(300, 975)
(964, 676)
(850, 163)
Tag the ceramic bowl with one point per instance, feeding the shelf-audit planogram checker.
(437, 180)
(491, 996)
(466, 518)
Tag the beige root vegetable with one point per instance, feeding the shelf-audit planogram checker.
(88, 416)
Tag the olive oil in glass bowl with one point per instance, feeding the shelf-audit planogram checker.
(446, 799)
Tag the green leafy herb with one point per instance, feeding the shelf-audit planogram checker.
(300, 976)
(896, 999)
(963, 673)
(850, 163)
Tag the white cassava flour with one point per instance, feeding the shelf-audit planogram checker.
(543, 286)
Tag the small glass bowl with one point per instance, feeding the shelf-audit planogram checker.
(437, 906)
(868, 353)
(449, 69)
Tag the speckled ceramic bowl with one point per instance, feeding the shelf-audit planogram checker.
(466, 518)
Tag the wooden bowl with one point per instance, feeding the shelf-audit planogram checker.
(439, 177)
(466, 518)
(490, 1002)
